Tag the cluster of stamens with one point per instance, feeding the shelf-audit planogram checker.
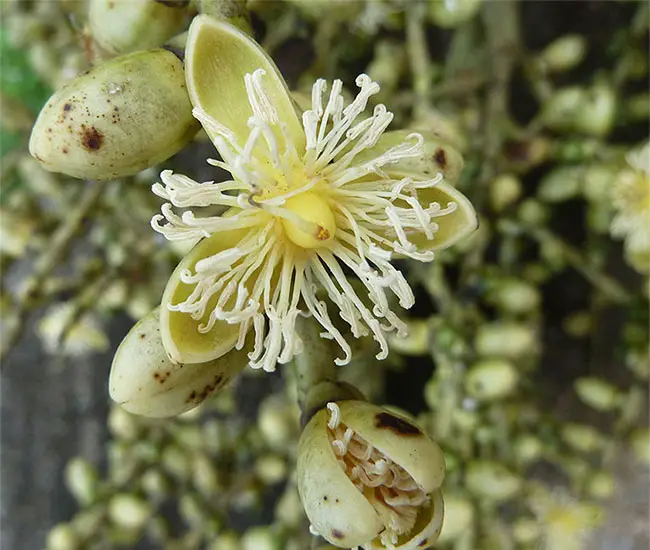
(392, 492)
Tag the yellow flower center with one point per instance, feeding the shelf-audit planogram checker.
(312, 222)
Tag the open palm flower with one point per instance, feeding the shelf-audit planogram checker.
(312, 199)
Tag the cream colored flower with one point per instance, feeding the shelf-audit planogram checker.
(311, 200)
(565, 523)
(631, 195)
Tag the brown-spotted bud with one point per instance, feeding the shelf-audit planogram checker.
(370, 477)
(119, 27)
(119, 118)
(145, 381)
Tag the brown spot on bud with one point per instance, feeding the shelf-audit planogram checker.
(398, 425)
(91, 138)
(423, 543)
(440, 157)
(67, 107)
(337, 534)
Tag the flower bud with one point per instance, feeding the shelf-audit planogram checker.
(62, 537)
(504, 340)
(128, 511)
(416, 342)
(491, 481)
(119, 27)
(601, 485)
(564, 53)
(82, 480)
(597, 393)
(145, 381)
(515, 296)
(449, 15)
(504, 190)
(117, 119)
(640, 444)
(581, 437)
(370, 477)
(561, 184)
(491, 379)
(595, 116)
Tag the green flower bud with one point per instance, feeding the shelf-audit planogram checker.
(501, 339)
(561, 184)
(527, 448)
(459, 515)
(597, 393)
(205, 475)
(491, 380)
(532, 213)
(177, 462)
(128, 511)
(120, 27)
(526, 530)
(119, 118)
(492, 481)
(559, 111)
(62, 537)
(145, 381)
(226, 541)
(601, 485)
(288, 510)
(504, 190)
(564, 53)
(515, 296)
(353, 446)
(448, 14)
(82, 480)
(595, 116)
(192, 510)
(122, 424)
(155, 484)
(581, 437)
(270, 469)
(261, 538)
(278, 422)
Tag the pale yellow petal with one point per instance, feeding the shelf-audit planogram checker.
(218, 56)
(179, 332)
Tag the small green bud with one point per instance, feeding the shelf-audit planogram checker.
(578, 324)
(192, 510)
(288, 510)
(261, 538)
(515, 296)
(564, 53)
(504, 190)
(449, 15)
(597, 393)
(205, 475)
(226, 541)
(527, 448)
(155, 484)
(559, 111)
(601, 485)
(271, 469)
(492, 481)
(526, 530)
(175, 461)
(120, 27)
(122, 424)
(595, 116)
(504, 339)
(277, 423)
(118, 118)
(82, 480)
(581, 437)
(532, 213)
(62, 537)
(561, 184)
(491, 380)
(128, 511)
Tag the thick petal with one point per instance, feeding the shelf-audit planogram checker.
(451, 227)
(218, 56)
(145, 381)
(179, 332)
(399, 439)
(337, 510)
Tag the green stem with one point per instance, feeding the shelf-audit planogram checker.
(418, 53)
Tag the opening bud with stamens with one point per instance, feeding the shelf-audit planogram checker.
(370, 477)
